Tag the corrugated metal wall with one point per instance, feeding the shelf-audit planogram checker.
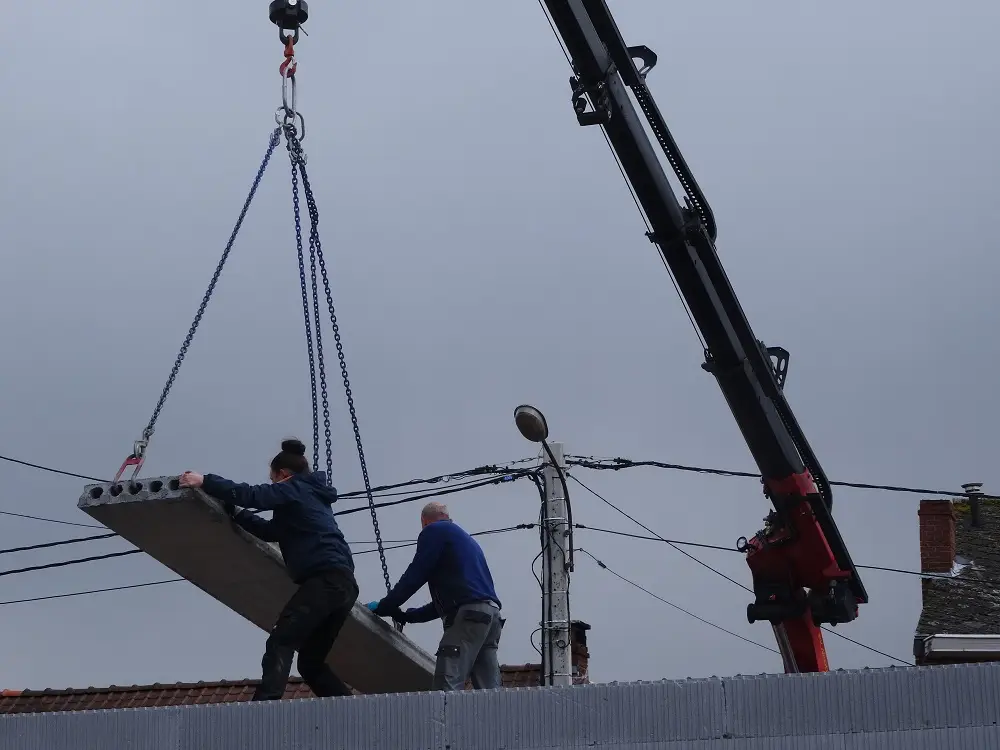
(933, 708)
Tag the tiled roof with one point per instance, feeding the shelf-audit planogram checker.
(184, 693)
(138, 696)
(967, 604)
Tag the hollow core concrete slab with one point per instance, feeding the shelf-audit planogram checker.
(190, 533)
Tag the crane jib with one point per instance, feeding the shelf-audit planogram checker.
(803, 574)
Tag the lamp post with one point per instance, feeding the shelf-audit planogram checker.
(557, 550)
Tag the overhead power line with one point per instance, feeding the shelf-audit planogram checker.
(77, 561)
(49, 469)
(717, 572)
(90, 591)
(662, 539)
(402, 543)
(64, 563)
(903, 571)
(50, 520)
(479, 470)
(654, 538)
(671, 604)
(439, 493)
(470, 485)
(461, 475)
(467, 479)
(113, 535)
(616, 464)
(59, 543)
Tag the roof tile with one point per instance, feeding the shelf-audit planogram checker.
(185, 693)
(967, 604)
(139, 696)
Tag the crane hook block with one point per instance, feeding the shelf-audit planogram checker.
(288, 14)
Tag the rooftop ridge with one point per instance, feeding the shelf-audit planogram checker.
(165, 686)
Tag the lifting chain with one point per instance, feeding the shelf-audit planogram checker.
(299, 173)
(138, 455)
(290, 123)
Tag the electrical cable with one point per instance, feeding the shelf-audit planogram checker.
(569, 507)
(531, 640)
(90, 591)
(482, 483)
(50, 520)
(111, 535)
(745, 588)
(567, 559)
(64, 563)
(649, 234)
(628, 183)
(555, 32)
(77, 561)
(615, 464)
(470, 484)
(867, 647)
(546, 601)
(59, 543)
(681, 609)
(932, 576)
(404, 543)
(662, 539)
(470, 474)
(656, 538)
(399, 493)
(50, 469)
(460, 475)
(502, 468)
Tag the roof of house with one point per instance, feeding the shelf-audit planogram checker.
(967, 603)
(138, 696)
(184, 693)
(925, 708)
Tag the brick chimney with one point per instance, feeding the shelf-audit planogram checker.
(580, 656)
(937, 536)
(530, 675)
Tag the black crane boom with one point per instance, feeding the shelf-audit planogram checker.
(802, 572)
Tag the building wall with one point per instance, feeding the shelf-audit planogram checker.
(931, 708)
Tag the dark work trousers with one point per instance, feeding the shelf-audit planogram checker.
(468, 648)
(309, 624)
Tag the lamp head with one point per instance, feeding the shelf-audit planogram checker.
(531, 423)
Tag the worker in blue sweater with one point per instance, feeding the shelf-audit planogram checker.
(454, 568)
(316, 556)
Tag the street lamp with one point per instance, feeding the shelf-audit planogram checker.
(557, 522)
(532, 425)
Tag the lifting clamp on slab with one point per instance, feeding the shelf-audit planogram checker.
(136, 458)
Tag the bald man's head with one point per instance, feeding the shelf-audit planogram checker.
(433, 512)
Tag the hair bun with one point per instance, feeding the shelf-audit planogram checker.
(293, 446)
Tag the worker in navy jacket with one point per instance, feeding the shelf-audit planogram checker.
(317, 559)
(454, 568)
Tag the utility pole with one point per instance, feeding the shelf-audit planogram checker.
(557, 667)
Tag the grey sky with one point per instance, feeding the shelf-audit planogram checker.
(484, 252)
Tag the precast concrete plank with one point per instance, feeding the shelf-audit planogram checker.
(190, 533)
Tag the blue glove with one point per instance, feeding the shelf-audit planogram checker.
(372, 606)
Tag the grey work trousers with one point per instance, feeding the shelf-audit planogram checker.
(468, 649)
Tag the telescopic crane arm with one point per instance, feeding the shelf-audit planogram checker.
(803, 575)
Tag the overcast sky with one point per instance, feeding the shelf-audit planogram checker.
(484, 252)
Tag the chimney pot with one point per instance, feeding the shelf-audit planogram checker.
(973, 490)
